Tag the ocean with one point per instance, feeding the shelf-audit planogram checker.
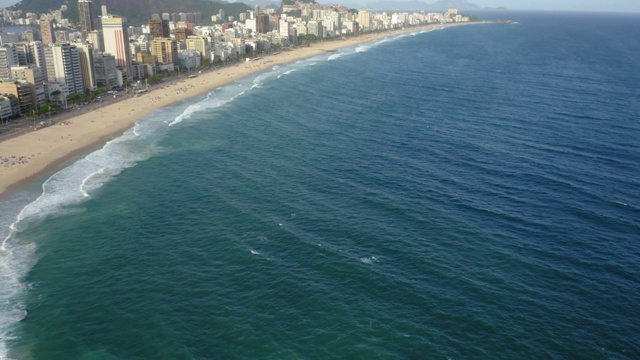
(469, 192)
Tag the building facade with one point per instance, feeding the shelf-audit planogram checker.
(198, 44)
(21, 90)
(36, 55)
(159, 28)
(33, 75)
(95, 38)
(63, 66)
(105, 70)
(85, 53)
(116, 40)
(262, 23)
(86, 17)
(46, 32)
(165, 50)
(8, 58)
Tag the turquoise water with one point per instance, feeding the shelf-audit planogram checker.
(464, 193)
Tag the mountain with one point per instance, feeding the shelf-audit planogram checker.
(137, 11)
(264, 4)
(454, 4)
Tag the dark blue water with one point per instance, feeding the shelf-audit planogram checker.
(470, 192)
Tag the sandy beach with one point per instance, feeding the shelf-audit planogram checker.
(24, 157)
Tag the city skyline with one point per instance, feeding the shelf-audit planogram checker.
(550, 5)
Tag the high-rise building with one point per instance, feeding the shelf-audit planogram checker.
(251, 24)
(182, 33)
(8, 58)
(165, 50)
(262, 23)
(63, 66)
(315, 28)
(22, 90)
(87, 17)
(159, 28)
(85, 53)
(22, 51)
(283, 27)
(364, 19)
(116, 40)
(95, 38)
(105, 70)
(9, 107)
(46, 31)
(36, 55)
(33, 75)
(198, 44)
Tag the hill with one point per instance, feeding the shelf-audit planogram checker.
(136, 11)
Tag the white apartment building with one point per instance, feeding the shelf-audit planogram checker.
(63, 66)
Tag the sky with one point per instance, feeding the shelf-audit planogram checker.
(578, 5)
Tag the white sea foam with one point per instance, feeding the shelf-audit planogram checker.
(75, 184)
(187, 113)
(15, 262)
(212, 101)
(334, 57)
(368, 46)
(60, 193)
(287, 73)
(83, 185)
(369, 260)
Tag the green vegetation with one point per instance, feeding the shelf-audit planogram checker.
(80, 97)
(295, 13)
(293, 2)
(155, 79)
(48, 108)
(307, 39)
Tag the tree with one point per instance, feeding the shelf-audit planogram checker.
(307, 39)
(56, 95)
(48, 107)
(76, 98)
(154, 79)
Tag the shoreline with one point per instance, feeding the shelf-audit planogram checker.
(27, 156)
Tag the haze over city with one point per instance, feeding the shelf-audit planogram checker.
(553, 5)
(549, 5)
